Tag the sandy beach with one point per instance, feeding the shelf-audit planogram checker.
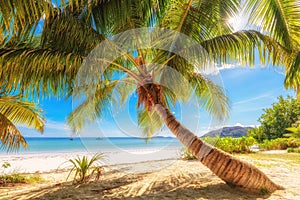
(47, 162)
(159, 178)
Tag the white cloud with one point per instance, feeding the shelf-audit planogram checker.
(242, 125)
(262, 96)
(250, 109)
(214, 69)
(50, 124)
(238, 124)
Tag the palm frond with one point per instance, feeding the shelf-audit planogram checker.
(149, 122)
(105, 16)
(124, 89)
(241, 46)
(36, 71)
(210, 95)
(200, 20)
(66, 33)
(277, 18)
(93, 105)
(10, 136)
(292, 79)
(19, 19)
(22, 112)
(175, 81)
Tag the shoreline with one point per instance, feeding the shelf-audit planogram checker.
(51, 161)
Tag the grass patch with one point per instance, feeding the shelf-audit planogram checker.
(289, 158)
(260, 164)
(19, 178)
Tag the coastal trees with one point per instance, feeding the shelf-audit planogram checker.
(49, 64)
(274, 121)
(15, 111)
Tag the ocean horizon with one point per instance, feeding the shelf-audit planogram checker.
(93, 144)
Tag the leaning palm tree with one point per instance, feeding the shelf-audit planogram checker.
(15, 111)
(71, 30)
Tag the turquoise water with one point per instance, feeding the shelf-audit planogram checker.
(55, 145)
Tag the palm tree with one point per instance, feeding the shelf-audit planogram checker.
(70, 32)
(14, 110)
(280, 20)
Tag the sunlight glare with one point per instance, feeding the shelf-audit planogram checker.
(237, 22)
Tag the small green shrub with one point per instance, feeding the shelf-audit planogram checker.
(5, 165)
(186, 154)
(19, 178)
(14, 178)
(293, 150)
(279, 144)
(227, 144)
(85, 169)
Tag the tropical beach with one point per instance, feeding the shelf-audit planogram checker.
(170, 178)
(149, 99)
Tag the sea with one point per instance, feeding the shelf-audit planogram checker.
(89, 144)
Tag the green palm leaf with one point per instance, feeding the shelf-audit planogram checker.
(22, 112)
(210, 96)
(149, 122)
(280, 18)
(10, 136)
(13, 111)
(52, 70)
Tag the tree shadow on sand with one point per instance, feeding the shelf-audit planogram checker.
(121, 188)
(67, 190)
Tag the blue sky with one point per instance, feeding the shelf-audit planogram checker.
(249, 89)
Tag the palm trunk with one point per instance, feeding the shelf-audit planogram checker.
(233, 171)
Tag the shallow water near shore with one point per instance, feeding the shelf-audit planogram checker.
(93, 144)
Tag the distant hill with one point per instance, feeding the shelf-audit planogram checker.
(234, 131)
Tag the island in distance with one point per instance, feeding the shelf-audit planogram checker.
(231, 131)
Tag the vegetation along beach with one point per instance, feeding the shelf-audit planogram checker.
(172, 99)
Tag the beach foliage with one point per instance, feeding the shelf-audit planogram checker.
(293, 150)
(186, 154)
(85, 169)
(5, 165)
(276, 119)
(15, 178)
(227, 144)
(16, 111)
(293, 131)
(232, 145)
(279, 144)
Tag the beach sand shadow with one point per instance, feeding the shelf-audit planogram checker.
(118, 189)
(67, 190)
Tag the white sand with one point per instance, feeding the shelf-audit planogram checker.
(46, 162)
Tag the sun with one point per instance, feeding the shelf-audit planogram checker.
(237, 22)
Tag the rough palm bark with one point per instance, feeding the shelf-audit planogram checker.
(233, 171)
